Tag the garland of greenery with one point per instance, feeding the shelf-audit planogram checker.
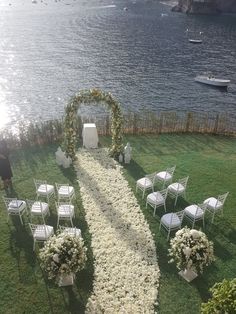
(71, 120)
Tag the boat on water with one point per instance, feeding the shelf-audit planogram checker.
(211, 80)
(195, 41)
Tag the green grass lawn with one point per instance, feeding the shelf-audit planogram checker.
(23, 286)
(210, 163)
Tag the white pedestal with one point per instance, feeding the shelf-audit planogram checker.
(66, 280)
(188, 274)
(90, 135)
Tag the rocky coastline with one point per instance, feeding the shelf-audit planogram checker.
(205, 6)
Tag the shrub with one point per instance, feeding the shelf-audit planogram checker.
(223, 298)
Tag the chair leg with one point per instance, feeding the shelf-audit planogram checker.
(203, 222)
(143, 193)
(57, 221)
(21, 220)
(213, 215)
(34, 246)
(168, 235)
(154, 211)
(160, 226)
(165, 206)
(71, 222)
(176, 200)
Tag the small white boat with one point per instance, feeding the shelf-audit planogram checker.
(195, 41)
(211, 80)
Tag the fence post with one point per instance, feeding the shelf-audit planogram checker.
(188, 122)
(216, 124)
(135, 124)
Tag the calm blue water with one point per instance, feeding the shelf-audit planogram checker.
(52, 49)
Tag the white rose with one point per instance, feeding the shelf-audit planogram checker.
(55, 258)
(194, 233)
(187, 251)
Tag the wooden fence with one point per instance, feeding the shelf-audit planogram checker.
(169, 122)
(149, 123)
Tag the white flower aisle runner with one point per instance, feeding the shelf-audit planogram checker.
(126, 270)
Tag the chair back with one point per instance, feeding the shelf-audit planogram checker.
(67, 209)
(180, 215)
(38, 230)
(184, 181)
(203, 207)
(64, 185)
(70, 230)
(164, 193)
(8, 200)
(222, 198)
(37, 183)
(151, 176)
(170, 170)
(31, 203)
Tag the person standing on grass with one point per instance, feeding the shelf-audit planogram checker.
(5, 167)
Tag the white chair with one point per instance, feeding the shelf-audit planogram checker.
(146, 183)
(65, 192)
(43, 189)
(178, 189)
(15, 207)
(195, 213)
(71, 231)
(171, 222)
(166, 176)
(157, 199)
(41, 233)
(215, 205)
(38, 209)
(65, 211)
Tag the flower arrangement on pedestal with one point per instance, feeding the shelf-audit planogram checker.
(191, 250)
(63, 254)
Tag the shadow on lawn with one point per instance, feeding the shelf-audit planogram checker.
(31, 155)
(21, 248)
(74, 304)
(70, 174)
(72, 297)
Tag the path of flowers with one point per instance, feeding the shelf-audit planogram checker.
(126, 270)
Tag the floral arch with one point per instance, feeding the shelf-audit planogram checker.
(71, 120)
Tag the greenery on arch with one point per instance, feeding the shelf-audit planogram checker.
(71, 121)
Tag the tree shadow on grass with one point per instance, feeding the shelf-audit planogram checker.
(75, 303)
(21, 249)
(31, 155)
(70, 174)
(134, 170)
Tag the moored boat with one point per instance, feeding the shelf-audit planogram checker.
(211, 80)
(195, 41)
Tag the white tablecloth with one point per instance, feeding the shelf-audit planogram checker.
(90, 135)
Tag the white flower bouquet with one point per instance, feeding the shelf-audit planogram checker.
(190, 249)
(62, 254)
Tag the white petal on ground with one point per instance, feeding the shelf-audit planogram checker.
(126, 273)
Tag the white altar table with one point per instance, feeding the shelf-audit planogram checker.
(90, 135)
